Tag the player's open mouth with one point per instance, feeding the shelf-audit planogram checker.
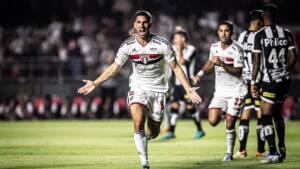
(143, 32)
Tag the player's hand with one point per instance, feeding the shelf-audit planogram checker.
(254, 91)
(216, 60)
(196, 79)
(87, 88)
(193, 95)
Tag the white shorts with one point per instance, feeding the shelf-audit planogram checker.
(229, 104)
(154, 101)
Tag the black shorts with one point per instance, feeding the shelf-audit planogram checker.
(179, 94)
(274, 92)
(249, 101)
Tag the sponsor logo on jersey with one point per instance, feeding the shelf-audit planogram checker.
(153, 49)
(271, 42)
(247, 46)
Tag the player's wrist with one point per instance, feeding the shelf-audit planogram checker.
(94, 83)
(221, 64)
(200, 73)
(252, 82)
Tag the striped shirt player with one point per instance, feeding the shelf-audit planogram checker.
(229, 89)
(150, 71)
(189, 56)
(188, 68)
(273, 43)
(246, 39)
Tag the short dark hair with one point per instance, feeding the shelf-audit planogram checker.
(227, 23)
(256, 15)
(143, 13)
(182, 33)
(271, 11)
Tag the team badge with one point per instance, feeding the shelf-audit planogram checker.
(144, 58)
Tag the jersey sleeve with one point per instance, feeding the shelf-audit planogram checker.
(239, 59)
(122, 55)
(211, 53)
(169, 53)
(257, 43)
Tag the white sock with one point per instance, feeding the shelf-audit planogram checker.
(141, 146)
(230, 139)
(173, 119)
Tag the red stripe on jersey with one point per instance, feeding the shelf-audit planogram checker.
(154, 55)
(138, 56)
(134, 56)
(228, 59)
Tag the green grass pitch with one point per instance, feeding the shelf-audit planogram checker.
(109, 145)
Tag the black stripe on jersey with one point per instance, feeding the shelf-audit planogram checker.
(156, 41)
(161, 40)
(245, 39)
(128, 41)
(149, 62)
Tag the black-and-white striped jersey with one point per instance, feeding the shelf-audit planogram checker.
(150, 69)
(188, 68)
(246, 39)
(273, 42)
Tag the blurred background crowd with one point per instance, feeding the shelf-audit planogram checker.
(47, 47)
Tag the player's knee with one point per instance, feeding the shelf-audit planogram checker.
(213, 122)
(138, 126)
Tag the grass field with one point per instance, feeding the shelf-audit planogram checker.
(109, 145)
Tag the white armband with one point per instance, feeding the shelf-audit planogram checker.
(200, 73)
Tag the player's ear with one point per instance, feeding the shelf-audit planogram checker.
(150, 25)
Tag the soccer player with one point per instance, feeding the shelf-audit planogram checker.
(226, 57)
(151, 57)
(274, 52)
(185, 56)
(246, 39)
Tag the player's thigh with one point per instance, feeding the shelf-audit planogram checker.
(246, 114)
(247, 107)
(215, 109)
(137, 103)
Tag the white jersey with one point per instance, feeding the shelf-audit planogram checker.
(189, 67)
(149, 62)
(228, 84)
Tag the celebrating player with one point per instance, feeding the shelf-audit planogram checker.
(226, 56)
(274, 52)
(149, 54)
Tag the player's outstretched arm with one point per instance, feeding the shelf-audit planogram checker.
(191, 91)
(208, 67)
(89, 86)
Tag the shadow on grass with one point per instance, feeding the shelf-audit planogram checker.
(236, 164)
(55, 166)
